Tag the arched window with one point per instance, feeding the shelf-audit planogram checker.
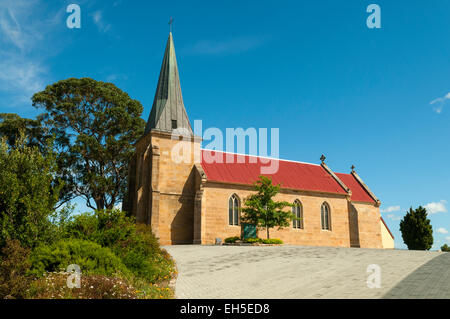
(325, 216)
(297, 210)
(233, 210)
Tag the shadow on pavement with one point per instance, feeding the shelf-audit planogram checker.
(432, 280)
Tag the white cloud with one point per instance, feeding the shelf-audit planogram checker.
(390, 209)
(393, 217)
(447, 238)
(116, 77)
(23, 44)
(442, 230)
(440, 101)
(436, 207)
(21, 77)
(230, 46)
(100, 22)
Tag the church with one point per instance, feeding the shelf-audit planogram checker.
(197, 201)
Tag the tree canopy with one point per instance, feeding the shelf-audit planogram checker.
(261, 210)
(12, 126)
(416, 229)
(28, 192)
(95, 125)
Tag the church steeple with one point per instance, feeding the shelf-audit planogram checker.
(168, 112)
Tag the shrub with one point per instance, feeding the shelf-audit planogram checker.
(445, 248)
(105, 227)
(14, 265)
(231, 240)
(54, 286)
(134, 244)
(91, 257)
(272, 241)
(143, 256)
(252, 240)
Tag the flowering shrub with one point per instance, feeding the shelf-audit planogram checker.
(53, 285)
(14, 265)
(118, 259)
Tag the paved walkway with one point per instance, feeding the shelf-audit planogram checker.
(241, 272)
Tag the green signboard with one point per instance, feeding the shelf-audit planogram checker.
(248, 231)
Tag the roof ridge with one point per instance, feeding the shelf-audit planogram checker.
(336, 178)
(366, 188)
(258, 156)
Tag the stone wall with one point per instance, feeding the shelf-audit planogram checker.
(368, 225)
(165, 188)
(215, 217)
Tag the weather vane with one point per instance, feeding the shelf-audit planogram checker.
(353, 168)
(170, 24)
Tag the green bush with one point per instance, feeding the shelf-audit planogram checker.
(142, 254)
(232, 240)
(252, 240)
(133, 243)
(272, 241)
(445, 248)
(105, 227)
(91, 257)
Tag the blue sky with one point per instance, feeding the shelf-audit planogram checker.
(375, 98)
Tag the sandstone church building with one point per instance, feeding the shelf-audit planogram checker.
(196, 201)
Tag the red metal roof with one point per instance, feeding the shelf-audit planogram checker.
(359, 194)
(293, 175)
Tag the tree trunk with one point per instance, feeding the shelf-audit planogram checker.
(99, 202)
(267, 232)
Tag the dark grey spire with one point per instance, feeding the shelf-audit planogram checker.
(168, 110)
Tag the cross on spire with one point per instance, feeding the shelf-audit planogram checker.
(322, 158)
(170, 24)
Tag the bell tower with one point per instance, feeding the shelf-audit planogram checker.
(161, 183)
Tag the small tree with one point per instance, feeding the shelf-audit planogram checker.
(261, 210)
(445, 248)
(416, 229)
(28, 193)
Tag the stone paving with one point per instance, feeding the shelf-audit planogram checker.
(240, 272)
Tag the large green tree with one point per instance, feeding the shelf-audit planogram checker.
(28, 193)
(95, 125)
(416, 229)
(261, 210)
